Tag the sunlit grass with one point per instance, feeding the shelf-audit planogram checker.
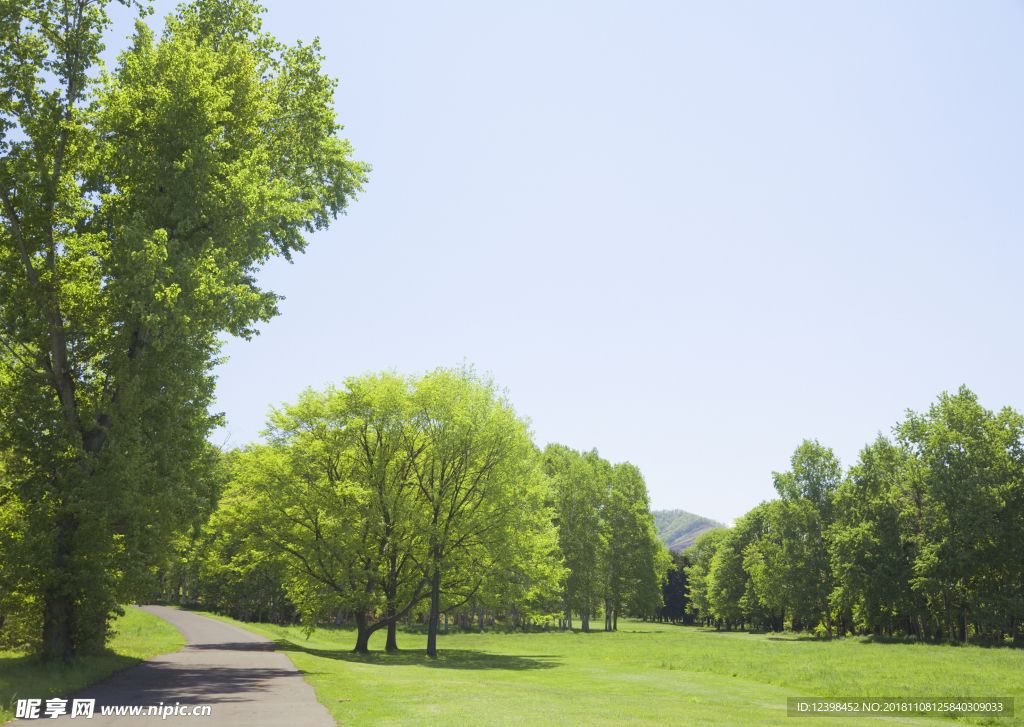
(140, 636)
(645, 674)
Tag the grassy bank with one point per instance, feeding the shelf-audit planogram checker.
(140, 636)
(645, 674)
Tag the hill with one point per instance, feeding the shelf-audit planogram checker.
(678, 528)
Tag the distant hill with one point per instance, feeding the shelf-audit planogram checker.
(678, 528)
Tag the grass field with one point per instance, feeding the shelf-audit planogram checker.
(645, 674)
(140, 635)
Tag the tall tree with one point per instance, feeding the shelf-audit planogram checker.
(701, 555)
(808, 490)
(580, 484)
(471, 455)
(136, 208)
(333, 492)
(876, 538)
(636, 561)
(972, 464)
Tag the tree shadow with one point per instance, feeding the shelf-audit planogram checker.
(29, 676)
(458, 659)
(233, 646)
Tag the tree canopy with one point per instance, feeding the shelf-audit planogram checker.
(137, 205)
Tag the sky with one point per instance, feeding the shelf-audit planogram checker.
(690, 235)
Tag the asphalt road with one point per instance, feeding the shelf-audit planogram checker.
(233, 671)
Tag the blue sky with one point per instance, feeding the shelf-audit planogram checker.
(687, 234)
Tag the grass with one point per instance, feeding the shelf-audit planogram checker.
(140, 636)
(645, 674)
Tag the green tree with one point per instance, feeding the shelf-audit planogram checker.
(701, 555)
(636, 561)
(136, 207)
(736, 575)
(580, 484)
(333, 492)
(808, 491)
(768, 590)
(876, 538)
(471, 458)
(972, 465)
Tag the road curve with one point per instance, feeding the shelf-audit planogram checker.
(235, 672)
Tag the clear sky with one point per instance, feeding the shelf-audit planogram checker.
(687, 234)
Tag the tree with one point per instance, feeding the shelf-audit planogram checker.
(333, 493)
(673, 592)
(972, 466)
(877, 537)
(808, 491)
(579, 483)
(701, 556)
(767, 590)
(136, 207)
(471, 456)
(636, 561)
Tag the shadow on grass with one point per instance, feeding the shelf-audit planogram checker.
(458, 659)
(745, 632)
(29, 677)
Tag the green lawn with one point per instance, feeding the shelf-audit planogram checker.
(645, 674)
(139, 636)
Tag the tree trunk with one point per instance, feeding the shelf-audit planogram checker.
(615, 621)
(59, 605)
(435, 605)
(389, 613)
(362, 632)
(585, 621)
(962, 622)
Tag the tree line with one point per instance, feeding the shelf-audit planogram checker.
(394, 498)
(922, 537)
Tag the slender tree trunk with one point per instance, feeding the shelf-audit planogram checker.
(962, 622)
(615, 621)
(435, 605)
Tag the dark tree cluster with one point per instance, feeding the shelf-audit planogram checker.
(674, 593)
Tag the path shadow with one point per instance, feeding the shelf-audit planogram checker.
(234, 646)
(153, 682)
(458, 659)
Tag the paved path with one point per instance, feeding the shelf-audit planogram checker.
(234, 671)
